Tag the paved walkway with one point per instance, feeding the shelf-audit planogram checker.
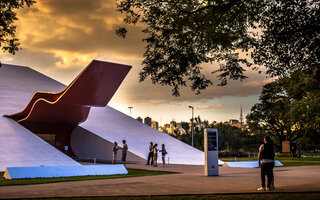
(190, 180)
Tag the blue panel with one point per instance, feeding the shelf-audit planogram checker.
(64, 171)
(249, 164)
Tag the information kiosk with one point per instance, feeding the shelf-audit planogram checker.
(211, 152)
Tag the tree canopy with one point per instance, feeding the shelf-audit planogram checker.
(291, 37)
(270, 114)
(8, 40)
(181, 35)
(289, 107)
(303, 87)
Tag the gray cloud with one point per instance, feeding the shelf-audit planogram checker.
(148, 93)
(33, 58)
(60, 37)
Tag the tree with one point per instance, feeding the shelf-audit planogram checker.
(181, 35)
(8, 41)
(251, 142)
(229, 137)
(290, 40)
(289, 107)
(271, 114)
(304, 88)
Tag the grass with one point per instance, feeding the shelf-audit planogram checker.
(297, 163)
(286, 161)
(276, 158)
(131, 173)
(277, 196)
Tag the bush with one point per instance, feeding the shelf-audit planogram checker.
(228, 153)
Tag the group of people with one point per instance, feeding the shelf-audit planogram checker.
(115, 149)
(265, 159)
(153, 155)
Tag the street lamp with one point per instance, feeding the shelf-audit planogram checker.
(130, 107)
(192, 124)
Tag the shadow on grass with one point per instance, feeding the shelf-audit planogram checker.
(286, 161)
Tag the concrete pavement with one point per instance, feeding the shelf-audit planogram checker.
(190, 180)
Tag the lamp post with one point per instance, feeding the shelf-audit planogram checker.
(192, 124)
(130, 107)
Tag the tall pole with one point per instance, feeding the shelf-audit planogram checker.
(241, 118)
(130, 109)
(192, 124)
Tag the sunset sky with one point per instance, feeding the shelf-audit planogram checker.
(60, 37)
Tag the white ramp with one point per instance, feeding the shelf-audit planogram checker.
(248, 164)
(63, 171)
(93, 138)
(19, 146)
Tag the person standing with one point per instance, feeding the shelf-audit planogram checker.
(299, 153)
(115, 148)
(293, 152)
(266, 161)
(124, 152)
(163, 154)
(150, 154)
(155, 155)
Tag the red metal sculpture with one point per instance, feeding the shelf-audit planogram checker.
(58, 113)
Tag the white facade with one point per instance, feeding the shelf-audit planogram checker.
(18, 146)
(92, 139)
(112, 125)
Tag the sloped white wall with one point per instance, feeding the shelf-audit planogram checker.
(87, 145)
(113, 125)
(18, 146)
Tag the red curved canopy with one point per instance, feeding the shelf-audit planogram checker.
(49, 112)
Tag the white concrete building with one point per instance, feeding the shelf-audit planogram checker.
(91, 139)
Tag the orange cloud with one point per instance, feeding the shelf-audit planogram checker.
(209, 107)
(257, 83)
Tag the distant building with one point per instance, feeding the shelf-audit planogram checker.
(239, 125)
(179, 125)
(181, 131)
(155, 125)
(139, 119)
(167, 129)
(178, 128)
(214, 122)
(166, 126)
(162, 129)
(233, 122)
(173, 123)
(173, 127)
(148, 121)
(241, 119)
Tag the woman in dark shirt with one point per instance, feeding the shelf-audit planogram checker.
(155, 155)
(266, 161)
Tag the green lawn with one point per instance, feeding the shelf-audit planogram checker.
(132, 173)
(286, 161)
(276, 196)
